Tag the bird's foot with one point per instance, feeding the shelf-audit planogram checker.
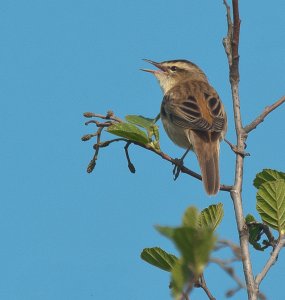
(178, 164)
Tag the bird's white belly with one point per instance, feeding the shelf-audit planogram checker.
(177, 134)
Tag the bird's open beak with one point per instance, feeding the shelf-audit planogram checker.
(156, 64)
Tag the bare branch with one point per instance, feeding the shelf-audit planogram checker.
(235, 42)
(174, 161)
(271, 261)
(231, 49)
(231, 44)
(263, 115)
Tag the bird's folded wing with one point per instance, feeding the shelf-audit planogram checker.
(200, 110)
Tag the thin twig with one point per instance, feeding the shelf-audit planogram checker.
(229, 270)
(224, 264)
(99, 124)
(271, 261)
(109, 116)
(228, 38)
(92, 163)
(236, 150)
(234, 247)
(202, 284)
(185, 294)
(130, 164)
(263, 115)
(163, 155)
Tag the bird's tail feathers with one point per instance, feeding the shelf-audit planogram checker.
(208, 157)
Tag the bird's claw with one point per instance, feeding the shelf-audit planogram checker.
(178, 162)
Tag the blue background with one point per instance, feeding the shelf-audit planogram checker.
(66, 234)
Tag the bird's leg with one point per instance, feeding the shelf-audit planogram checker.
(156, 118)
(179, 164)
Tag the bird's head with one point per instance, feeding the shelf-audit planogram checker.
(173, 72)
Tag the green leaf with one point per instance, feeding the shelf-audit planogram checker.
(128, 131)
(267, 175)
(211, 217)
(167, 231)
(155, 145)
(155, 132)
(271, 204)
(190, 217)
(195, 246)
(140, 121)
(150, 126)
(159, 258)
(249, 218)
(255, 233)
(180, 275)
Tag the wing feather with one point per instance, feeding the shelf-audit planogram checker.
(195, 105)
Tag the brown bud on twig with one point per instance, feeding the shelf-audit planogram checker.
(88, 115)
(132, 168)
(105, 144)
(91, 166)
(110, 114)
(86, 137)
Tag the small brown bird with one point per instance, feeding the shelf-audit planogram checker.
(192, 114)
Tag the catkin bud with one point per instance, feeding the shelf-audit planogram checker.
(86, 137)
(88, 115)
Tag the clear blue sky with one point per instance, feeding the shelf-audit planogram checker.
(67, 235)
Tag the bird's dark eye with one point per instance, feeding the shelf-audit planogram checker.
(173, 68)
